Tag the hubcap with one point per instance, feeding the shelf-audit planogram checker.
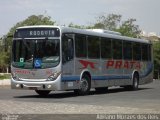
(84, 85)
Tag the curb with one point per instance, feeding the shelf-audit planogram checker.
(5, 82)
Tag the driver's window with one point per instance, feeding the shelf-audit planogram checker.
(67, 48)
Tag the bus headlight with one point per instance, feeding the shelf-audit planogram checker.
(53, 76)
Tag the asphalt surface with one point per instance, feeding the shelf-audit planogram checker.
(116, 101)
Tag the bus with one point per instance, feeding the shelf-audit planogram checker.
(53, 58)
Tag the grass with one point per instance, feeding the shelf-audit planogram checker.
(5, 76)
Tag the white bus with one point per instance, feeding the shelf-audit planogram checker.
(48, 58)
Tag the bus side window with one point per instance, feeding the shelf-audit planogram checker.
(127, 50)
(67, 49)
(137, 51)
(80, 46)
(117, 49)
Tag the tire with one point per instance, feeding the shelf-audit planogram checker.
(85, 86)
(135, 83)
(102, 89)
(42, 92)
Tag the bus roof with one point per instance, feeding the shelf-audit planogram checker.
(109, 34)
(94, 32)
(38, 26)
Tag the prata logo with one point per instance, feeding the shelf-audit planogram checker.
(86, 64)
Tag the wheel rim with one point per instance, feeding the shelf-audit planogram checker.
(84, 85)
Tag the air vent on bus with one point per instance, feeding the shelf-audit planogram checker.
(104, 31)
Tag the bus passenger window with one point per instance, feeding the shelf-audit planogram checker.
(137, 51)
(93, 47)
(117, 49)
(81, 46)
(127, 50)
(106, 48)
(145, 52)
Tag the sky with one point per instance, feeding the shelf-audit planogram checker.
(81, 12)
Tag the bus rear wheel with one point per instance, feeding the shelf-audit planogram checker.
(85, 85)
(135, 83)
(42, 92)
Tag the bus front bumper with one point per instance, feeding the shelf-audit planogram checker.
(36, 85)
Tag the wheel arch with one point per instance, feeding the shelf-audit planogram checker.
(85, 81)
(85, 72)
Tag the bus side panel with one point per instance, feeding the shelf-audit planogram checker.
(114, 72)
(94, 67)
(102, 74)
(69, 79)
(129, 67)
(146, 73)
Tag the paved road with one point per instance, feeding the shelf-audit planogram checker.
(117, 100)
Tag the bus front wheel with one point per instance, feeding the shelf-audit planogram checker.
(42, 92)
(85, 85)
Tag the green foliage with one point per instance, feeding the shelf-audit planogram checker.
(109, 22)
(156, 51)
(4, 60)
(128, 28)
(80, 26)
(76, 26)
(113, 22)
(5, 76)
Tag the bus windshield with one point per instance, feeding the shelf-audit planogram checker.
(41, 53)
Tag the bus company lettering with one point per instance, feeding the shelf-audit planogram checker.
(117, 64)
(41, 33)
(49, 72)
(22, 71)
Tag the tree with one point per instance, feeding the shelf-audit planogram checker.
(128, 28)
(4, 61)
(156, 57)
(76, 26)
(113, 22)
(110, 22)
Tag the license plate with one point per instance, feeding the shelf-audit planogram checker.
(33, 88)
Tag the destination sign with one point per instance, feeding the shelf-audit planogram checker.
(37, 32)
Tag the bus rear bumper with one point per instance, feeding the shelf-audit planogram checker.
(36, 85)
